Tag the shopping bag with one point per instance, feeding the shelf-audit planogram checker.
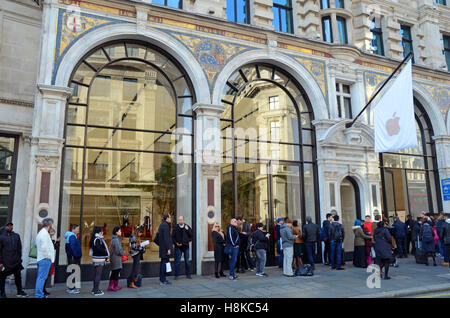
(33, 252)
(168, 267)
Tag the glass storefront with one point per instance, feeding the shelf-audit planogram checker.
(8, 162)
(409, 176)
(268, 143)
(128, 154)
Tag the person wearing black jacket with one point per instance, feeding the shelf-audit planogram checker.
(409, 225)
(233, 241)
(100, 255)
(10, 259)
(261, 240)
(311, 235)
(181, 236)
(219, 241)
(326, 225)
(444, 235)
(415, 233)
(336, 236)
(165, 247)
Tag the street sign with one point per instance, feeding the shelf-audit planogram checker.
(446, 189)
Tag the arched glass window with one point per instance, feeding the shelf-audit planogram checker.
(410, 180)
(128, 149)
(269, 168)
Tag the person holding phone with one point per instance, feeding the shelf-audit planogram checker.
(261, 244)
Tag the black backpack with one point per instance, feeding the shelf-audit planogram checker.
(252, 242)
(156, 239)
(305, 270)
(337, 235)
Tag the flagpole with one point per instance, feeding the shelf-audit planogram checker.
(348, 125)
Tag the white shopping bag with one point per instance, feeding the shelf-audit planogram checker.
(168, 267)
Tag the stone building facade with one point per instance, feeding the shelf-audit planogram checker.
(96, 95)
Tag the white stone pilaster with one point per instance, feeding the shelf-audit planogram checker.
(443, 160)
(208, 156)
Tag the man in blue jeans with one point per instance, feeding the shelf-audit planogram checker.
(311, 235)
(45, 257)
(181, 236)
(233, 240)
(336, 235)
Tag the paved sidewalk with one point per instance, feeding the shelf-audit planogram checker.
(407, 280)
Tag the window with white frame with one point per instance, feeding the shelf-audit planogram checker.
(274, 102)
(344, 100)
(275, 130)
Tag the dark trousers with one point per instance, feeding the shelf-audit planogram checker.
(408, 243)
(162, 270)
(413, 247)
(311, 252)
(326, 253)
(17, 278)
(97, 276)
(115, 274)
(178, 253)
(219, 266)
(280, 251)
(401, 246)
(447, 253)
(134, 268)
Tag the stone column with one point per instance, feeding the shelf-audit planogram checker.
(443, 161)
(45, 161)
(208, 156)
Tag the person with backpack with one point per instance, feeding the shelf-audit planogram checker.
(260, 241)
(324, 238)
(427, 240)
(100, 254)
(73, 251)
(299, 246)
(444, 234)
(336, 235)
(400, 231)
(136, 251)
(279, 222)
(287, 238)
(164, 240)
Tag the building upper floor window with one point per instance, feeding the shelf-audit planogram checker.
(377, 39)
(170, 3)
(324, 4)
(446, 40)
(339, 4)
(407, 43)
(344, 100)
(274, 102)
(275, 130)
(282, 15)
(238, 11)
(327, 32)
(342, 30)
(443, 2)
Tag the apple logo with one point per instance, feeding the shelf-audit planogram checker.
(392, 126)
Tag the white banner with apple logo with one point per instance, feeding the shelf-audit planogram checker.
(395, 125)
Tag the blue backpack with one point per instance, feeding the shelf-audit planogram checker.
(427, 236)
(323, 234)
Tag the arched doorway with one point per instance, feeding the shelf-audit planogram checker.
(350, 210)
(129, 134)
(409, 177)
(269, 168)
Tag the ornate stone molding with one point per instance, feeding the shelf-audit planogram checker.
(55, 91)
(211, 170)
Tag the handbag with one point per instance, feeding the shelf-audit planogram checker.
(228, 249)
(33, 252)
(124, 258)
(305, 270)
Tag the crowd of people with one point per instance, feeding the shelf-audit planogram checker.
(242, 247)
